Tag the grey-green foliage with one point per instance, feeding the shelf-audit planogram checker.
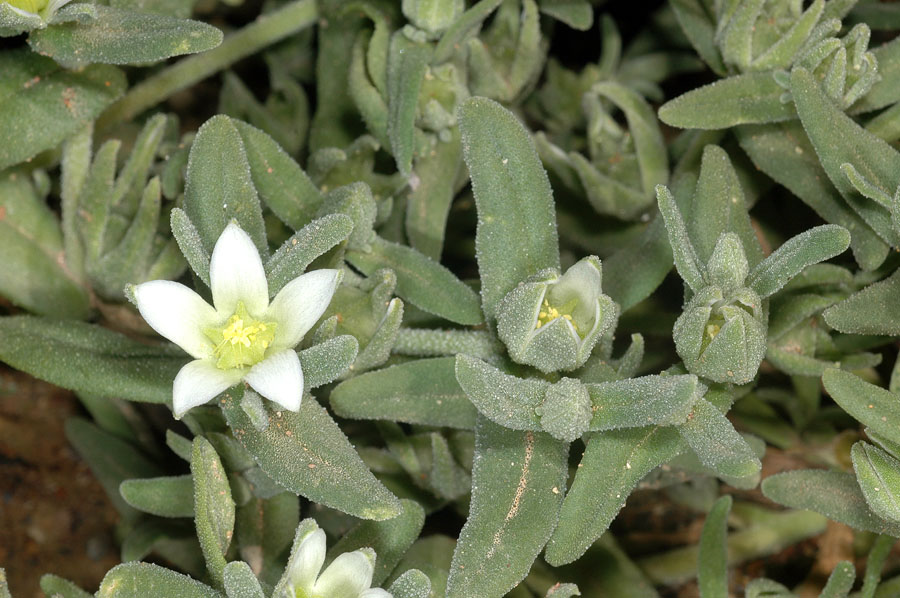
(116, 36)
(721, 334)
(757, 43)
(36, 91)
(119, 231)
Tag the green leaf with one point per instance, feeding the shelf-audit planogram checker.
(303, 247)
(265, 528)
(506, 400)
(36, 93)
(466, 26)
(281, 183)
(719, 207)
(33, 277)
(428, 203)
(219, 185)
(111, 459)
(873, 310)
(712, 560)
(840, 582)
(689, 266)
(90, 359)
(885, 91)
(637, 402)
(190, 243)
(784, 152)
(328, 360)
(123, 37)
(839, 140)
(424, 391)
(144, 580)
(389, 539)
(307, 453)
(421, 281)
(240, 581)
(412, 584)
(407, 61)
(878, 475)
(810, 247)
(636, 269)
(166, 496)
(577, 14)
(644, 130)
(612, 465)
(516, 234)
(834, 494)
(698, 26)
(750, 98)
(213, 507)
(518, 482)
(717, 443)
(56, 586)
(872, 406)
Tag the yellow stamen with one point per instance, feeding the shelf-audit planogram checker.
(242, 341)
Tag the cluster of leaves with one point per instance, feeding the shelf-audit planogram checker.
(471, 379)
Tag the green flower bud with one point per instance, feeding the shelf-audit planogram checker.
(728, 267)
(552, 322)
(721, 335)
(433, 16)
(566, 411)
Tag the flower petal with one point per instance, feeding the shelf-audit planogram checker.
(198, 382)
(306, 561)
(279, 378)
(376, 593)
(347, 575)
(236, 273)
(301, 303)
(177, 313)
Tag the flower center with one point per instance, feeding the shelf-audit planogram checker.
(549, 313)
(33, 6)
(242, 341)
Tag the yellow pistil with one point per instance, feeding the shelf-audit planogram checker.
(712, 330)
(549, 313)
(242, 341)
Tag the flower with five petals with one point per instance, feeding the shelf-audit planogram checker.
(242, 336)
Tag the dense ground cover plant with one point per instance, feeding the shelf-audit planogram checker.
(446, 289)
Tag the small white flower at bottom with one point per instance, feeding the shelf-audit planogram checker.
(348, 576)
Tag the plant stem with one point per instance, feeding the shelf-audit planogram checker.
(266, 30)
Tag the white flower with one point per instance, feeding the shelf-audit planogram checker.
(348, 576)
(244, 337)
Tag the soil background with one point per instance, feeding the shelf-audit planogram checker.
(54, 515)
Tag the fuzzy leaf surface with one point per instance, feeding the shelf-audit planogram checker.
(834, 494)
(307, 453)
(516, 234)
(119, 36)
(518, 483)
(35, 91)
(145, 580)
(612, 465)
(422, 281)
(87, 358)
(424, 391)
